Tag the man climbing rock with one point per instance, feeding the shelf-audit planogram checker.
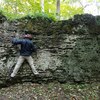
(26, 50)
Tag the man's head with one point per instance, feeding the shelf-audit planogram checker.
(28, 36)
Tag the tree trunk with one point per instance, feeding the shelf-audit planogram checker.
(42, 5)
(58, 9)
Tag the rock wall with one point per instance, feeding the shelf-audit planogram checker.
(68, 50)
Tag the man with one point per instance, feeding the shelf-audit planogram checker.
(26, 50)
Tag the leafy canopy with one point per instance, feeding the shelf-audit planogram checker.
(18, 8)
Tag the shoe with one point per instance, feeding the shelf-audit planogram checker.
(12, 75)
(36, 73)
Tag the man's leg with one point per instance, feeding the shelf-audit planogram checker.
(17, 66)
(31, 63)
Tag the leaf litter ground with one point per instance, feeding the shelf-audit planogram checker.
(51, 91)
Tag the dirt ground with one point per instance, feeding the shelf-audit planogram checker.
(51, 91)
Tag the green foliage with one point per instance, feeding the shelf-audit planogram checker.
(68, 11)
(14, 9)
(41, 16)
(50, 8)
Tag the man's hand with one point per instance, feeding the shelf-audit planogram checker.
(13, 36)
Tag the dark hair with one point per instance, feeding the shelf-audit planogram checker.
(26, 32)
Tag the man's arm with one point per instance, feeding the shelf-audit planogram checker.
(16, 41)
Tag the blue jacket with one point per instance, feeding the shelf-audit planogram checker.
(27, 46)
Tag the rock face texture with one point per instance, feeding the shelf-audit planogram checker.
(68, 50)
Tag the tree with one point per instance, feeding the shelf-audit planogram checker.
(42, 5)
(58, 9)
